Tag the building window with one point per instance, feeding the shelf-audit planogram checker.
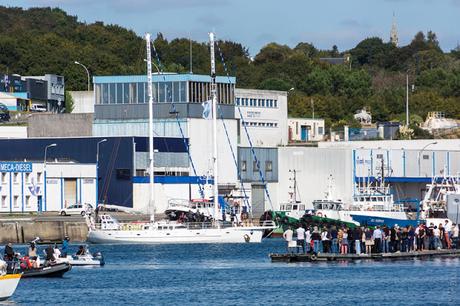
(28, 201)
(243, 166)
(15, 177)
(141, 93)
(3, 178)
(426, 156)
(112, 93)
(268, 166)
(255, 166)
(320, 130)
(16, 201)
(275, 103)
(27, 178)
(4, 205)
(39, 177)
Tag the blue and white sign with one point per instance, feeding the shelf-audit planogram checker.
(15, 167)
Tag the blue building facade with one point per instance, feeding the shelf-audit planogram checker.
(117, 158)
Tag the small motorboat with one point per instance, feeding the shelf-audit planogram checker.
(53, 270)
(8, 282)
(95, 259)
(88, 259)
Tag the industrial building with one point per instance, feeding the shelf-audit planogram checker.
(263, 114)
(37, 186)
(22, 92)
(306, 129)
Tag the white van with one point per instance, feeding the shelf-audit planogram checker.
(38, 108)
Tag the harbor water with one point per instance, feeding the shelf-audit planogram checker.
(241, 274)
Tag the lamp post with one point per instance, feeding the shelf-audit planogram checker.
(97, 170)
(87, 73)
(44, 170)
(420, 153)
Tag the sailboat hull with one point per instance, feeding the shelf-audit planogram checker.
(178, 236)
(8, 284)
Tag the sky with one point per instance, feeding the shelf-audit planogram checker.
(254, 23)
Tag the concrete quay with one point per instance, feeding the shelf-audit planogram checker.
(22, 228)
(298, 257)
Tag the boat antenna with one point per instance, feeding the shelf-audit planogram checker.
(150, 93)
(214, 123)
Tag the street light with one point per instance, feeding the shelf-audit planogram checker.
(44, 170)
(87, 73)
(97, 170)
(420, 153)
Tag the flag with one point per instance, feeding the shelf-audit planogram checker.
(207, 111)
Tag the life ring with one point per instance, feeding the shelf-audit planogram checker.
(313, 257)
(247, 238)
(319, 214)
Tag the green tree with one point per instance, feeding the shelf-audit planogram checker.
(69, 103)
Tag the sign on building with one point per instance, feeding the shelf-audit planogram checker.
(15, 167)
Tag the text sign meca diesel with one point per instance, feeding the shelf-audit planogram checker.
(15, 167)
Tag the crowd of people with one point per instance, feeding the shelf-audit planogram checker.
(367, 240)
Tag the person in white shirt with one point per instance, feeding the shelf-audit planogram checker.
(324, 241)
(437, 240)
(300, 231)
(287, 235)
(308, 239)
(454, 232)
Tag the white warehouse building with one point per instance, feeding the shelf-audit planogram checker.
(27, 187)
(264, 114)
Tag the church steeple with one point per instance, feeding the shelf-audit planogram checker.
(394, 32)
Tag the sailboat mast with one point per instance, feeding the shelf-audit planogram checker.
(214, 124)
(150, 93)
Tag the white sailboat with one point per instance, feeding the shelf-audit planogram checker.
(8, 282)
(110, 231)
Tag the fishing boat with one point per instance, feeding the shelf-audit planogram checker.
(294, 208)
(8, 282)
(373, 205)
(110, 230)
(434, 203)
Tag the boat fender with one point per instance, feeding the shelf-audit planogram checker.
(313, 257)
(246, 238)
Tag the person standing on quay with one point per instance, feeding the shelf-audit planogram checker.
(455, 240)
(334, 241)
(300, 231)
(287, 235)
(344, 244)
(357, 237)
(377, 236)
(316, 237)
(308, 239)
(369, 241)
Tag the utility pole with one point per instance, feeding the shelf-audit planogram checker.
(407, 99)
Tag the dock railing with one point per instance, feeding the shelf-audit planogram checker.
(132, 226)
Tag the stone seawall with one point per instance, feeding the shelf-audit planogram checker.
(25, 231)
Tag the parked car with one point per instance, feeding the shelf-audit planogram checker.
(38, 108)
(4, 113)
(77, 209)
